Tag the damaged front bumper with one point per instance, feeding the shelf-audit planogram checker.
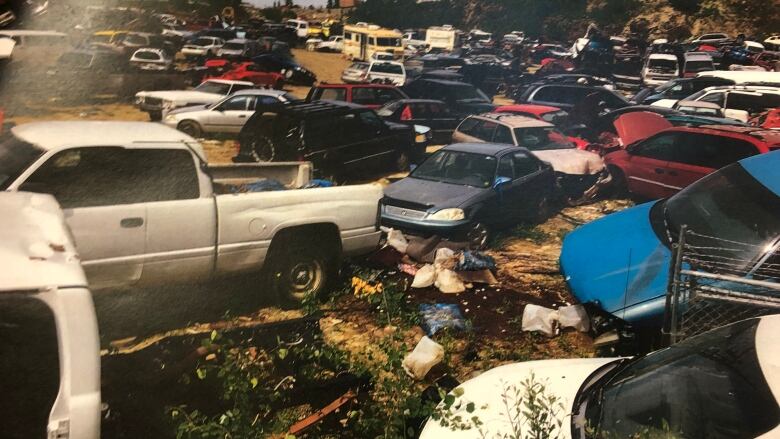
(579, 188)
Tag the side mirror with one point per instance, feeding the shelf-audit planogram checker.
(740, 115)
(500, 182)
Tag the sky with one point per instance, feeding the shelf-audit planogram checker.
(266, 3)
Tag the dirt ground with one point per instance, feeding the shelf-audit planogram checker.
(527, 272)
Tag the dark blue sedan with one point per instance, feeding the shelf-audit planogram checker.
(465, 191)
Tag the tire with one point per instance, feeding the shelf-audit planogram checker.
(155, 116)
(477, 236)
(191, 128)
(299, 270)
(263, 149)
(288, 74)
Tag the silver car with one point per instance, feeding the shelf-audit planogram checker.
(228, 115)
(356, 73)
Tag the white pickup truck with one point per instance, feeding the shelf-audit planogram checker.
(145, 208)
(159, 103)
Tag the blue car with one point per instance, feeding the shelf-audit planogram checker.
(621, 262)
(464, 191)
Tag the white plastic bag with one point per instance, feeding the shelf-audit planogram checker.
(448, 282)
(425, 277)
(397, 240)
(425, 355)
(445, 258)
(539, 318)
(574, 316)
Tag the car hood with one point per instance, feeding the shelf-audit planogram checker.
(635, 126)
(572, 161)
(616, 261)
(667, 103)
(560, 378)
(190, 109)
(182, 96)
(432, 194)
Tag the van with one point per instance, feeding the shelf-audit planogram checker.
(48, 329)
(361, 41)
(301, 27)
(695, 62)
(659, 68)
(387, 72)
(442, 37)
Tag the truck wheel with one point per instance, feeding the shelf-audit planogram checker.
(190, 128)
(299, 271)
(263, 149)
(155, 116)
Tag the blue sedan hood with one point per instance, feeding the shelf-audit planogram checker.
(432, 193)
(619, 262)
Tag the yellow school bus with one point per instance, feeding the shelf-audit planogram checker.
(363, 40)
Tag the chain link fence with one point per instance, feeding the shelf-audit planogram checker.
(716, 281)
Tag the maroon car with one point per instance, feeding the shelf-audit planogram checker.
(369, 95)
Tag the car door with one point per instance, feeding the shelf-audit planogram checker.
(442, 121)
(699, 154)
(530, 186)
(230, 115)
(99, 196)
(646, 163)
(181, 217)
(380, 145)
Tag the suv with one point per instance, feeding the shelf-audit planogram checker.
(341, 140)
(578, 171)
(679, 88)
(664, 163)
(387, 72)
(464, 99)
(369, 95)
(566, 96)
(737, 101)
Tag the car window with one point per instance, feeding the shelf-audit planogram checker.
(103, 176)
(660, 147)
(484, 131)
(503, 135)
(469, 126)
(716, 98)
(265, 100)
(752, 103)
(29, 365)
(505, 168)
(437, 110)
(524, 164)
(364, 96)
(711, 151)
(236, 103)
(331, 94)
(385, 95)
(370, 121)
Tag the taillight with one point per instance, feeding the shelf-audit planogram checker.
(407, 113)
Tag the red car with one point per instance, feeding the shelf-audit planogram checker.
(245, 71)
(553, 115)
(662, 164)
(767, 59)
(369, 95)
(769, 120)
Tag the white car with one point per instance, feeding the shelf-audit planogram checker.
(659, 68)
(227, 116)
(382, 56)
(159, 103)
(721, 384)
(387, 72)
(202, 46)
(333, 44)
(773, 42)
(50, 344)
(737, 101)
(151, 59)
(176, 30)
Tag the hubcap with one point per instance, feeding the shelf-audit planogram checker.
(263, 150)
(305, 277)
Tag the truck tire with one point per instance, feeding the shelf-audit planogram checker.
(299, 269)
(190, 128)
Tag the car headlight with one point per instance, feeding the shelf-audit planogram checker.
(170, 118)
(139, 100)
(452, 214)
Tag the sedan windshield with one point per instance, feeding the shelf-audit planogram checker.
(469, 94)
(15, 156)
(732, 206)
(541, 138)
(455, 167)
(213, 87)
(203, 42)
(710, 386)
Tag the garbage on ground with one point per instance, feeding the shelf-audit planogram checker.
(425, 277)
(397, 240)
(546, 320)
(425, 355)
(473, 261)
(448, 282)
(478, 277)
(437, 316)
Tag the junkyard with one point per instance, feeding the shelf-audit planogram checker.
(364, 219)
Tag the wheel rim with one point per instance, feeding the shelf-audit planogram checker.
(263, 150)
(477, 236)
(305, 277)
(190, 129)
(288, 74)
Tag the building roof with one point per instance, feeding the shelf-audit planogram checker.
(35, 246)
(70, 134)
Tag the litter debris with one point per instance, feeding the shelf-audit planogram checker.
(448, 282)
(438, 316)
(546, 320)
(574, 316)
(396, 240)
(425, 355)
(478, 277)
(409, 269)
(425, 277)
(473, 261)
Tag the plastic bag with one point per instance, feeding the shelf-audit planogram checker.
(473, 261)
(574, 316)
(397, 240)
(425, 277)
(438, 316)
(448, 282)
(539, 318)
(425, 355)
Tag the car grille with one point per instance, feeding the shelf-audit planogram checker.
(153, 102)
(405, 213)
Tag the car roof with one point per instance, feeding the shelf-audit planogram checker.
(693, 56)
(260, 92)
(662, 56)
(772, 137)
(324, 85)
(529, 108)
(228, 81)
(514, 120)
(418, 101)
(698, 104)
(482, 148)
(763, 167)
(69, 134)
(238, 40)
(445, 82)
(36, 250)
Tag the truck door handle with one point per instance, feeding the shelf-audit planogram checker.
(129, 223)
(659, 171)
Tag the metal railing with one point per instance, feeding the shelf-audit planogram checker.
(716, 281)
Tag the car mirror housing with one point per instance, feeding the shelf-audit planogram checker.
(500, 182)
